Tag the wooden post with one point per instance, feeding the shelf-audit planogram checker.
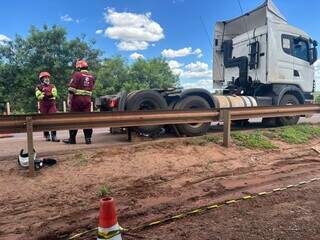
(8, 108)
(64, 106)
(30, 146)
(226, 127)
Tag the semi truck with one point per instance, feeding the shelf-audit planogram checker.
(259, 59)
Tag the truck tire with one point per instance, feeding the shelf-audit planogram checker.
(192, 129)
(146, 100)
(288, 99)
(241, 123)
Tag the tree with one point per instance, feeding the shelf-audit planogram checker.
(116, 75)
(48, 49)
(112, 75)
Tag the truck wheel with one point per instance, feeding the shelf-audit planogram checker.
(288, 99)
(241, 123)
(146, 100)
(192, 129)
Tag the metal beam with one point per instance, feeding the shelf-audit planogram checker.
(30, 146)
(226, 127)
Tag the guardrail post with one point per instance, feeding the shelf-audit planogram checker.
(8, 108)
(30, 146)
(226, 127)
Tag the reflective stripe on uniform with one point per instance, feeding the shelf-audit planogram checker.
(54, 92)
(39, 94)
(72, 90)
(80, 92)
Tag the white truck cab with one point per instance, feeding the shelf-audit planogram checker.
(259, 54)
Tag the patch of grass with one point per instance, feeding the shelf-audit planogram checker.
(103, 191)
(298, 134)
(202, 141)
(80, 159)
(316, 97)
(255, 140)
(213, 139)
(209, 165)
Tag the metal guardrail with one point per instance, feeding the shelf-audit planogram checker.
(62, 121)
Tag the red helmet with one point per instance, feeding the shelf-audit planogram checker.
(44, 74)
(81, 64)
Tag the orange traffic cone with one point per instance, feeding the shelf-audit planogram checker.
(108, 224)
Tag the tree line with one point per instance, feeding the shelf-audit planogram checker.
(49, 49)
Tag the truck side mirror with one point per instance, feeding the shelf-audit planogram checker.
(315, 43)
(313, 55)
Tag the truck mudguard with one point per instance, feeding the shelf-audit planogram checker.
(280, 90)
(199, 92)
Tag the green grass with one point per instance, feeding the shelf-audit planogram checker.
(80, 159)
(103, 191)
(316, 97)
(209, 165)
(298, 134)
(253, 140)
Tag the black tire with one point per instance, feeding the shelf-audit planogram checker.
(146, 100)
(192, 102)
(241, 123)
(288, 99)
(269, 122)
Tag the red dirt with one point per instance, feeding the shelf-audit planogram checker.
(153, 179)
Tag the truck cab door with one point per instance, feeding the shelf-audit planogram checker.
(299, 71)
(302, 69)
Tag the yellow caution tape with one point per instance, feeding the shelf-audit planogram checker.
(197, 210)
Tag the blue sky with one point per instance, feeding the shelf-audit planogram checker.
(170, 25)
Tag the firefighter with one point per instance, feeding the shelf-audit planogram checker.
(79, 98)
(46, 94)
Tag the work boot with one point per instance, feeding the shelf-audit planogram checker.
(69, 141)
(55, 139)
(48, 139)
(46, 135)
(88, 140)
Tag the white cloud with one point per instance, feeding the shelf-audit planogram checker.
(174, 64)
(197, 70)
(175, 67)
(203, 83)
(99, 31)
(67, 18)
(193, 75)
(136, 56)
(4, 39)
(132, 45)
(133, 31)
(170, 53)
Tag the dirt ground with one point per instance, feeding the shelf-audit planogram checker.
(151, 180)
